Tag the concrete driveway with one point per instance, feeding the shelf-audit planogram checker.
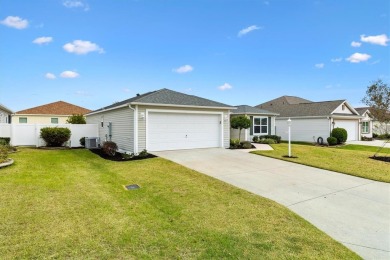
(354, 211)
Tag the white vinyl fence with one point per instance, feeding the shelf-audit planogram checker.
(28, 134)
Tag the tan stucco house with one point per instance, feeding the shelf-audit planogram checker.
(52, 113)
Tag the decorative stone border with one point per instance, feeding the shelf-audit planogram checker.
(7, 163)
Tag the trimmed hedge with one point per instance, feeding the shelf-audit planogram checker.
(331, 140)
(55, 136)
(340, 134)
(276, 138)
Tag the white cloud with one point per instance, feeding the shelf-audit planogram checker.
(50, 76)
(15, 22)
(320, 65)
(69, 74)
(75, 4)
(248, 30)
(43, 40)
(82, 47)
(225, 87)
(336, 59)
(183, 69)
(358, 57)
(381, 39)
(356, 44)
(127, 90)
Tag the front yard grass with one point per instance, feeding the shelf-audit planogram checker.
(350, 159)
(72, 204)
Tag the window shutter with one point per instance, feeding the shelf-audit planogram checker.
(269, 125)
(251, 128)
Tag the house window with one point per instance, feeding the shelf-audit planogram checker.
(260, 125)
(365, 127)
(23, 120)
(54, 120)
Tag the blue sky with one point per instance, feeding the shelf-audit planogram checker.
(96, 52)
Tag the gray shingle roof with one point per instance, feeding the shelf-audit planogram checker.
(168, 97)
(305, 109)
(246, 110)
(6, 109)
(362, 110)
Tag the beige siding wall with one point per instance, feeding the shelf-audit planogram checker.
(340, 110)
(306, 130)
(3, 117)
(40, 119)
(142, 122)
(122, 120)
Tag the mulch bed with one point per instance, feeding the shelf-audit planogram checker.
(381, 158)
(118, 157)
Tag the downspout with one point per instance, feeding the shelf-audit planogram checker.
(135, 123)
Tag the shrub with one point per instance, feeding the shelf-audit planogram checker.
(246, 145)
(234, 143)
(109, 148)
(331, 140)
(255, 139)
(55, 136)
(274, 137)
(82, 141)
(143, 154)
(340, 134)
(267, 141)
(3, 153)
(383, 136)
(364, 138)
(76, 119)
(374, 135)
(5, 140)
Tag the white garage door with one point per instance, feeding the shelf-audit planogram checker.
(174, 131)
(351, 126)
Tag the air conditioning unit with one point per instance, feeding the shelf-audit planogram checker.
(92, 142)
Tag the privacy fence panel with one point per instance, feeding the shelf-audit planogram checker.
(28, 134)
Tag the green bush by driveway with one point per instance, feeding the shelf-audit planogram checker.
(72, 204)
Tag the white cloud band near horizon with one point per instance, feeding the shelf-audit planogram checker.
(358, 57)
(81, 47)
(69, 74)
(248, 30)
(43, 40)
(183, 69)
(381, 39)
(225, 86)
(15, 22)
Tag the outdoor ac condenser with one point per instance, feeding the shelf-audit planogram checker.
(92, 142)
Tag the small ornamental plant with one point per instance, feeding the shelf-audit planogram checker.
(110, 148)
(331, 141)
(340, 134)
(3, 153)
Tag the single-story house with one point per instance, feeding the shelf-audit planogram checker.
(5, 114)
(367, 122)
(163, 120)
(311, 120)
(377, 127)
(52, 113)
(262, 122)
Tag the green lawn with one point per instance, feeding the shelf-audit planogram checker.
(349, 159)
(72, 204)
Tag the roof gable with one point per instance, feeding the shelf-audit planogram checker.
(5, 109)
(55, 108)
(167, 97)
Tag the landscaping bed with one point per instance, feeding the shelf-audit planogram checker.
(120, 157)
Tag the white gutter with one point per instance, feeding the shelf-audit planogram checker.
(135, 111)
(105, 110)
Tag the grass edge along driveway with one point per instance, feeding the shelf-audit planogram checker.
(350, 159)
(72, 204)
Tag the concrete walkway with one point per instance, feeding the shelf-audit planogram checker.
(378, 143)
(354, 211)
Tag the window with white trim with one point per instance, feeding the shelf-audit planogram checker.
(260, 125)
(365, 127)
(54, 120)
(22, 120)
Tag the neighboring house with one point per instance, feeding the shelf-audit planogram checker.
(367, 123)
(376, 126)
(163, 120)
(262, 122)
(5, 115)
(53, 113)
(311, 120)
